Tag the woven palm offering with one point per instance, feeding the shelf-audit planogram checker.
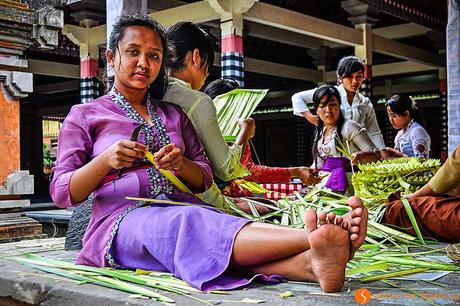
(453, 251)
(380, 179)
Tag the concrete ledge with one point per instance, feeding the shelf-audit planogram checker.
(24, 284)
(56, 216)
(14, 203)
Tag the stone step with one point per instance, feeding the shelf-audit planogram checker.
(19, 227)
(17, 239)
(8, 204)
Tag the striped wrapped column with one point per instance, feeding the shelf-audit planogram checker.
(232, 58)
(367, 83)
(89, 81)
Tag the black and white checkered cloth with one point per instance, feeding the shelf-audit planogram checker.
(89, 89)
(233, 67)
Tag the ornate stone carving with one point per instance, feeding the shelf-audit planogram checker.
(18, 182)
(49, 22)
(16, 84)
(22, 25)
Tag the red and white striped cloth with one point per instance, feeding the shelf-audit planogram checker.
(280, 190)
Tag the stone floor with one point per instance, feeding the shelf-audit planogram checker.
(21, 285)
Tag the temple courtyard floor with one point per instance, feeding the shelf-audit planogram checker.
(22, 285)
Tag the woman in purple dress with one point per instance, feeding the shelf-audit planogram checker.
(206, 248)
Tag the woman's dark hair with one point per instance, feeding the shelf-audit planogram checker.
(400, 103)
(158, 87)
(184, 37)
(349, 65)
(328, 91)
(220, 86)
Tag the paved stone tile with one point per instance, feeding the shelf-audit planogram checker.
(31, 286)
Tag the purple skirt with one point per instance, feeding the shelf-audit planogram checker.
(193, 243)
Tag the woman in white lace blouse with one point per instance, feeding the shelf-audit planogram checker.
(354, 106)
(334, 130)
(412, 139)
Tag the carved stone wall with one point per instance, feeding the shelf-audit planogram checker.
(22, 24)
(9, 140)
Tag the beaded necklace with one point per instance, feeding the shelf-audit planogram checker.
(158, 182)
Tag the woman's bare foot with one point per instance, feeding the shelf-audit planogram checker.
(310, 220)
(329, 249)
(355, 222)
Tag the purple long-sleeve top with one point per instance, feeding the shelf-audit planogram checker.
(89, 130)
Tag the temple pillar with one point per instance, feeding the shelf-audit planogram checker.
(325, 59)
(88, 36)
(231, 26)
(363, 17)
(88, 40)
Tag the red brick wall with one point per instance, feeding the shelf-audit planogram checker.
(9, 136)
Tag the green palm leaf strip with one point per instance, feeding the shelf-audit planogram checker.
(238, 103)
(169, 175)
(376, 266)
(411, 262)
(392, 274)
(412, 219)
(48, 265)
(116, 279)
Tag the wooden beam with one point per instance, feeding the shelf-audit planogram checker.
(57, 87)
(275, 69)
(282, 36)
(196, 12)
(406, 88)
(389, 69)
(399, 68)
(281, 70)
(304, 24)
(311, 26)
(405, 30)
(393, 48)
(54, 69)
(56, 109)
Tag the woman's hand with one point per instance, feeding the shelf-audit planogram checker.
(307, 175)
(247, 131)
(364, 157)
(425, 191)
(313, 119)
(393, 152)
(123, 153)
(86, 179)
(248, 126)
(169, 157)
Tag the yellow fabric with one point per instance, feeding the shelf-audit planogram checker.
(447, 179)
